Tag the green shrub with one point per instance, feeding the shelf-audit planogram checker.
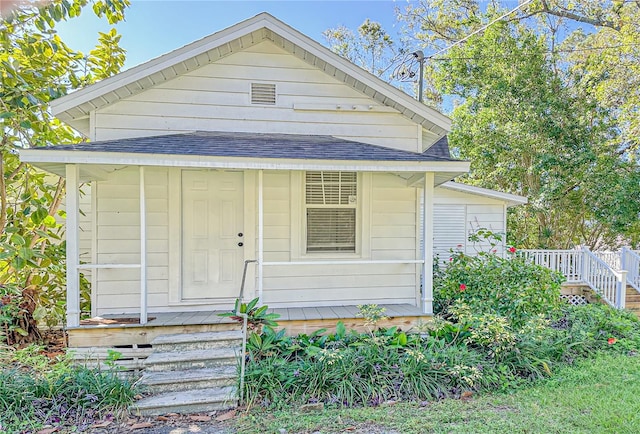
(509, 287)
(35, 391)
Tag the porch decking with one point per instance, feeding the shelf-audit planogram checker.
(294, 320)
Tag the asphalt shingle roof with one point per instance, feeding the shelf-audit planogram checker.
(257, 145)
(439, 149)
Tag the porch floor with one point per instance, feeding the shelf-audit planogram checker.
(126, 330)
(162, 319)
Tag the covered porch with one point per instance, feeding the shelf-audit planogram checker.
(142, 221)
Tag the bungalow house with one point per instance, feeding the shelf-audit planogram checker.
(258, 150)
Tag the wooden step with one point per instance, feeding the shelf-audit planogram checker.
(197, 341)
(191, 379)
(193, 359)
(191, 401)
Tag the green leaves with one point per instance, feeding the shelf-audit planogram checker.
(36, 67)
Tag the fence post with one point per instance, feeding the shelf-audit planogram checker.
(583, 270)
(621, 294)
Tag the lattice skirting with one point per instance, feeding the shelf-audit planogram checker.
(575, 299)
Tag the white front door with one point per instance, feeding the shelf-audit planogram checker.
(212, 219)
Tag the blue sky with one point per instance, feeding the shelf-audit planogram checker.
(155, 27)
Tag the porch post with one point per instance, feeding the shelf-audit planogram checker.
(143, 249)
(427, 253)
(260, 233)
(73, 283)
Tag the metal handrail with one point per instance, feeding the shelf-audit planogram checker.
(244, 316)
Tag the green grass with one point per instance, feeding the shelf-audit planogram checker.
(599, 395)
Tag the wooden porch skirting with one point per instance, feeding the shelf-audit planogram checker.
(294, 320)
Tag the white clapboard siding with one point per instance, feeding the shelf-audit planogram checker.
(118, 240)
(216, 97)
(392, 232)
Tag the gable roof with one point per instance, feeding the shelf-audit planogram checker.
(75, 108)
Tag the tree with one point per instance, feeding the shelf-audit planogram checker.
(371, 47)
(549, 110)
(36, 67)
(527, 132)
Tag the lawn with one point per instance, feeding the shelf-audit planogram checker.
(594, 396)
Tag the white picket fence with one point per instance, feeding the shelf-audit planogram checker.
(607, 273)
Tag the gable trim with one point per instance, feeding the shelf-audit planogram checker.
(76, 106)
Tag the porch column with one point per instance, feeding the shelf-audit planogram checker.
(427, 253)
(143, 250)
(73, 259)
(260, 233)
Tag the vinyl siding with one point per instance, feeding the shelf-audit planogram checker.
(216, 97)
(392, 236)
(118, 240)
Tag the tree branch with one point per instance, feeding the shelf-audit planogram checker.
(576, 17)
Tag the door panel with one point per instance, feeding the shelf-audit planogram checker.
(212, 218)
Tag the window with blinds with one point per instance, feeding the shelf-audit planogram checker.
(330, 202)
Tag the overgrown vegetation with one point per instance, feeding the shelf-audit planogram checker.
(36, 66)
(36, 391)
(598, 395)
(491, 284)
(500, 326)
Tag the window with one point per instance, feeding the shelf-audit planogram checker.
(330, 203)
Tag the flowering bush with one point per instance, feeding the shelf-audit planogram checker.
(489, 284)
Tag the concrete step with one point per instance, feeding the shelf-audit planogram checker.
(191, 379)
(192, 401)
(193, 359)
(197, 341)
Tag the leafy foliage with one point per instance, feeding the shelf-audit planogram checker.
(545, 101)
(490, 284)
(36, 67)
(257, 316)
(501, 325)
(35, 391)
(371, 47)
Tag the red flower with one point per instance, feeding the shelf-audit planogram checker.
(450, 259)
(512, 249)
(611, 341)
(462, 287)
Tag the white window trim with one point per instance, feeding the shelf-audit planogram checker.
(299, 224)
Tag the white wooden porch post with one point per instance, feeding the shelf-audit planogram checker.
(73, 283)
(260, 233)
(143, 249)
(427, 245)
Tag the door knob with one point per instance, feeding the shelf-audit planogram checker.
(240, 234)
(240, 244)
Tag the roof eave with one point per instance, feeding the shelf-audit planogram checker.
(43, 158)
(510, 199)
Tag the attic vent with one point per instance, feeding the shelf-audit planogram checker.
(263, 93)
